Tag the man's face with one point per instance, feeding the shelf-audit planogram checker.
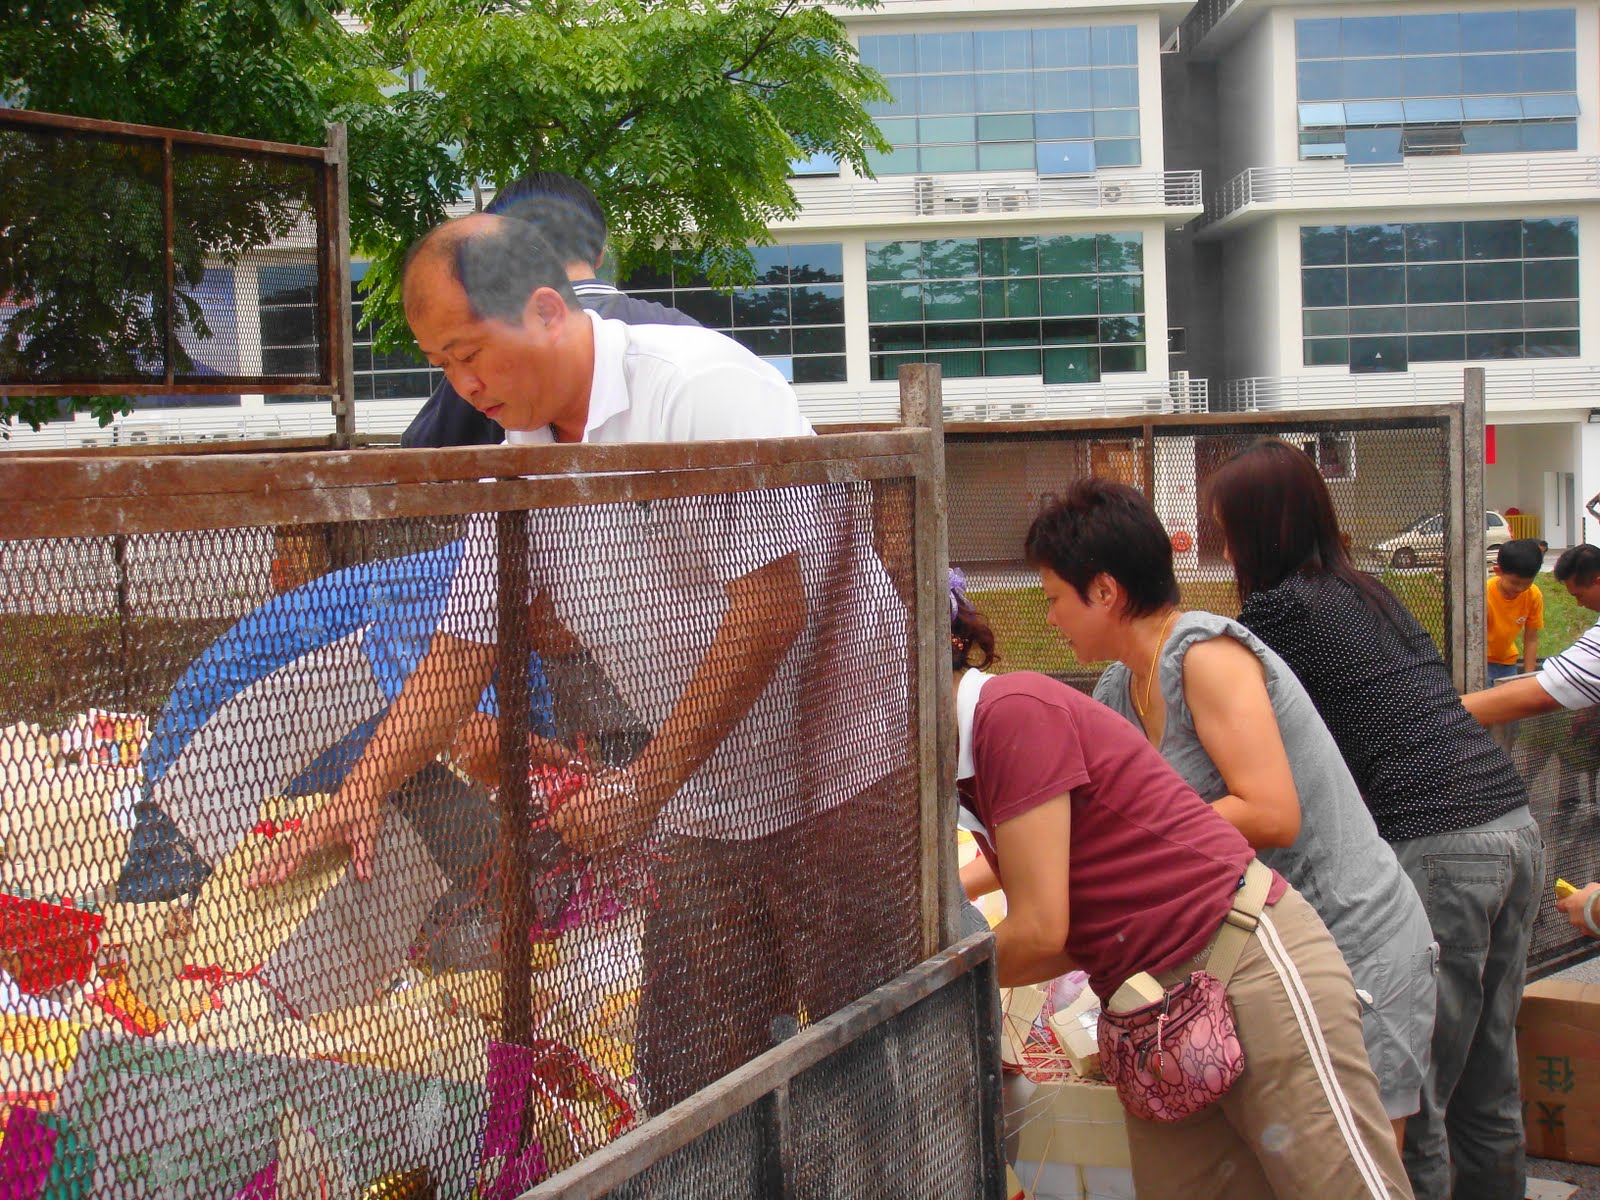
(1586, 594)
(514, 374)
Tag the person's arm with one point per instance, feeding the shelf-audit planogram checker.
(419, 724)
(978, 878)
(1226, 690)
(766, 611)
(1030, 943)
(1577, 904)
(1530, 651)
(1510, 702)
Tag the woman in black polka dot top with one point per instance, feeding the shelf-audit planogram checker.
(1441, 791)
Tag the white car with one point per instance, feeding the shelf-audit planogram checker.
(1423, 543)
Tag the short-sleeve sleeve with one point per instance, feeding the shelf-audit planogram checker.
(1573, 677)
(1535, 609)
(1027, 751)
(1282, 619)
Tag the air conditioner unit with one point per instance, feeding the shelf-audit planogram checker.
(1008, 201)
(961, 204)
(924, 194)
(1110, 193)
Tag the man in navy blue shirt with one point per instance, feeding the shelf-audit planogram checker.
(571, 221)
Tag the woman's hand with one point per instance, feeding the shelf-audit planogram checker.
(1576, 904)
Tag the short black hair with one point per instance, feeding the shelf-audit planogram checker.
(1581, 564)
(499, 265)
(1520, 557)
(1098, 525)
(563, 210)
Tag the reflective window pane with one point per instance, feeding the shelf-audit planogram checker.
(1369, 35)
(1551, 344)
(1017, 127)
(1076, 126)
(1324, 288)
(1433, 241)
(1120, 152)
(1376, 354)
(1373, 78)
(1430, 33)
(822, 263)
(1494, 239)
(1004, 50)
(1377, 285)
(1005, 156)
(1494, 281)
(1437, 347)
(1562, 135)
(1549, 72)
(1488, 30)
(1547, 29)
(1550, 238)
(1065, 158)
(1009, 256)
(1376, 243)
(1435, 284)
(1437, 76)
(1322, 245)
(1067, 254)
(1551, 279)
(1327, 352)
(1317, 38)
(1322, 80)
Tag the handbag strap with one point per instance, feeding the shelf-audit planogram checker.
(1240, 922)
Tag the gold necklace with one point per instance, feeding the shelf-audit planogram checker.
(1150, 676)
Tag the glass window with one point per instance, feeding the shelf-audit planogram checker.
(1491, 108)
(1431, 33)
(1432, 112)
(1324, 288)
(1373, 78)
(950, 258)
(1114, 46)
(1119, 252)
(1321, 245)
(1122, 152)
(1004, 50)
(1555, 237)
(1438, 283)
(892, 54)
(1325, 321)
(1327, 352)
(829, 369)
(1433, 241)
(1317, 116)
(1067, 255)
(1494, 239)
(1017, 298)
(1011, 362)
(1437, 347)
(1063, 89)
(1122, 294)
(1322, 80)
(1436, 318)
(1494, 281)
(822, 263)
(1491, 139)
(1009, 256)
(1069, 297)
(1061, 47)
(1551, 344)
(1005, 156)
(1488, 30)
(944, 52)
(1011, 92)
(933, 130)
(1064, 127)
(1116, 87)
(1317, 38)
(1551, 72)
(1550, 314)
(1369, 36)
(1539, 107)
(1490, 74)
(1116, 123)
(1378, 320)
(1377, 285)
(1494, 345)
(1065, 158)
(1562, 135)
(1547, 29)
(1552, 279)
(1436, 76)
(1082, 331)
(1376, 243)
(1017, 127)
(1374, 354)
(949, 158)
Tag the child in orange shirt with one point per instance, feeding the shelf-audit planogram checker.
(1516, 606)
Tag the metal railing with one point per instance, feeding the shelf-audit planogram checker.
(1545, 386)
(852, 200)
(1458, 179)
(1012, 399)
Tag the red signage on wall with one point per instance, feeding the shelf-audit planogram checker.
(1488, 445)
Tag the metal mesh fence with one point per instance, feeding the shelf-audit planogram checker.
(427, 855)
(1389, 479)
(139, 259)
(1558, 756)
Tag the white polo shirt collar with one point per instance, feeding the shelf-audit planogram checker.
(608, 391)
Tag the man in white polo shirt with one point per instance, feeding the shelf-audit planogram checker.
(756, 636)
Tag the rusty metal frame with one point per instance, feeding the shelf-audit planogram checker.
(329, 163)
(1460, 424)
(765, 1081)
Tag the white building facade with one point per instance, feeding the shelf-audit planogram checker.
(1402, 190)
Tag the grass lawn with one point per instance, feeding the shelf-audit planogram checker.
(1027, 644)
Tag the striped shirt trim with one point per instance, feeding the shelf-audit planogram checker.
(1573, 676)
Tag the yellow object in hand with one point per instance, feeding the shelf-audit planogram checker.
(1563, 889)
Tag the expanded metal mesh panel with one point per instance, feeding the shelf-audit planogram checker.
(87, 247)
(1558, 756)
(1386, 478)
(422, 856)
(900, 1114)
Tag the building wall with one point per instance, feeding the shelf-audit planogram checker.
(1247, 84)
(1253, 300)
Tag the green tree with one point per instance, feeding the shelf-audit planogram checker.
(682, 116)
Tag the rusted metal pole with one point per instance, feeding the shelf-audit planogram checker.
(922, 407)
(169, 228)
(516, 815)
(334, 250)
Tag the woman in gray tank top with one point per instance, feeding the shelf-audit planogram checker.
(1233, 720)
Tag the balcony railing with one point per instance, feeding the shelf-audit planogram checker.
(851, 200)
(1505, 388)
(1433, 179)
(1011, 399)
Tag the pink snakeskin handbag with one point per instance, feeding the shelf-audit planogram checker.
(1177, 1056)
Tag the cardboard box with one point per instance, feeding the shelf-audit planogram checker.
(1077, 1030)
(1077, 1121)
(1019, 1009)
(1558, 1055)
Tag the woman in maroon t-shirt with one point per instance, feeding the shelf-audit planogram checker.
(1113, 865)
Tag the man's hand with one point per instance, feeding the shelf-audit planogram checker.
(608, 811)
(335, 823)
(1574, 905)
